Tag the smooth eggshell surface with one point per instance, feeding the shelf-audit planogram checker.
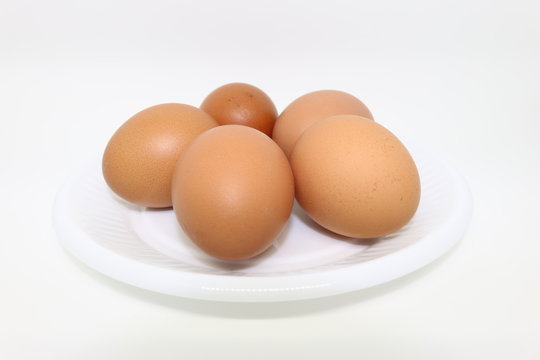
(139, 160)
(354, 177)
(241, 104)
(233, 192)
(310, 108)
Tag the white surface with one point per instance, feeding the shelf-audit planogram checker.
(148, 249)
(462, 77)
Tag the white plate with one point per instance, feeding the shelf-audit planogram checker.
(147, 248)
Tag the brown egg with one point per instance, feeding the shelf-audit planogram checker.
(233, 191)
(140, 157)
(354, 177)
(307, 109)
(241, 104)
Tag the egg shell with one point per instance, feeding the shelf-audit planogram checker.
(233, 192)
(310, 108)
(241, 104)
(354, 177)
(139, 159)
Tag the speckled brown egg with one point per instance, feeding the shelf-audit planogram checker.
(354, 177)
(139, 160)
(307, 109)
(233, 192)
(241, 104)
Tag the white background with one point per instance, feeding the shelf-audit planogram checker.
(461, 77)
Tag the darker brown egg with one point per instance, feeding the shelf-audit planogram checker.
(241, 104)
